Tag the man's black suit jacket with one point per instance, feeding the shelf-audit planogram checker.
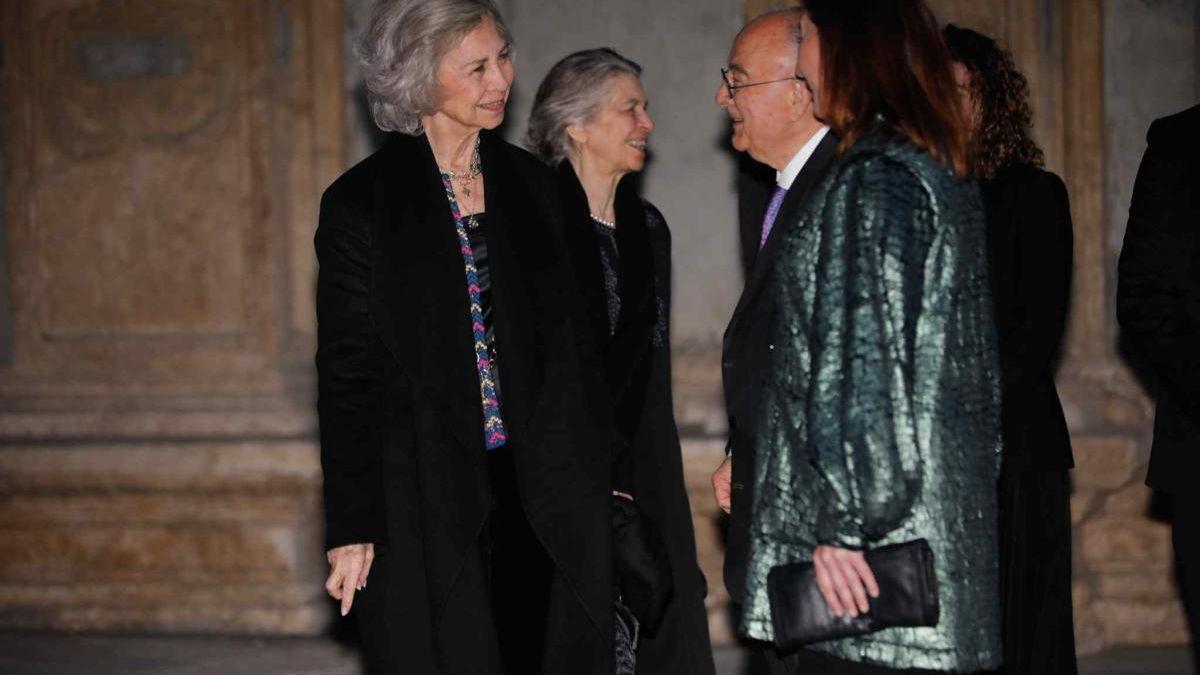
(747, 343)
(1158, 292)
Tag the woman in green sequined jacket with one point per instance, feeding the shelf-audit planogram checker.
(881, 419)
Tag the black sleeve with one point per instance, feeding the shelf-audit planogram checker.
(1156, 293)
(350, 365)
(1044, 243)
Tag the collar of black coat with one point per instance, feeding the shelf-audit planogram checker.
(423, 293)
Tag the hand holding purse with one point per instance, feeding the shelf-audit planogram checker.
(908, 596)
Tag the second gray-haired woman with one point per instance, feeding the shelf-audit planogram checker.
(464, 446)
(590, 122)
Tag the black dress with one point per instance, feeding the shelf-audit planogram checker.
(1029, 256)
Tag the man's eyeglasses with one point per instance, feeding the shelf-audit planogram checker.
(733, 88)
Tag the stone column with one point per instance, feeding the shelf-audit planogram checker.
(162, 167)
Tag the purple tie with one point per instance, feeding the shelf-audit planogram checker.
(772, 211)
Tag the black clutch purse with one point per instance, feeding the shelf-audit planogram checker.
(908, 596)
(643, 569)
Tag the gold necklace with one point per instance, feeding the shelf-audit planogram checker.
(467, 178)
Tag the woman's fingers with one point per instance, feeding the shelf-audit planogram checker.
(844, 579)
(825, 582)
(354, 568)
(370, 557)
(333, 585)
(864, 571)
(349, 566)
(843, 584)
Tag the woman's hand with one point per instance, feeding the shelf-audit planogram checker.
(845, 579)
(348, 569)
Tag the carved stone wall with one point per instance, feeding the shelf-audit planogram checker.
(157, 462)
(161, 166)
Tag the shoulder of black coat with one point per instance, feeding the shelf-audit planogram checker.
(654, 217)
(356, 184)
(1179, 131)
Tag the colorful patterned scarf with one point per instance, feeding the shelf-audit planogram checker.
(494, 433)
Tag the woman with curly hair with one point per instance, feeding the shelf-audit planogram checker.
(1029, 255)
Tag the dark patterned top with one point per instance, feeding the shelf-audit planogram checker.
(610, 259)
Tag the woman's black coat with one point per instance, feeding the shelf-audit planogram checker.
(637, 369)
(1029, 257)
(401, 424)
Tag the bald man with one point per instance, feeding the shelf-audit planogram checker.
(772, 115)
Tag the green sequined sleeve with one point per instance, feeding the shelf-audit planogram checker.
(862, 404)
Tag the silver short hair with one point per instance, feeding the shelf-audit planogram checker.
(400, 51)
(572, 93)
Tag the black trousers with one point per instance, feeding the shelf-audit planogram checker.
(520, 572)
(1035, 572)
(1185, 535)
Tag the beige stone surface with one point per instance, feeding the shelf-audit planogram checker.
(1129, 622)
(1089, 629)
(1083, 503)
(701, 458)
(1103, 462)
(1138, 586)
(1121, 543)
(1133, 499)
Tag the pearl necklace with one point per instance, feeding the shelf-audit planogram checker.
(606, 223)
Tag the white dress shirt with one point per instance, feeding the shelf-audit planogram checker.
(785, 178)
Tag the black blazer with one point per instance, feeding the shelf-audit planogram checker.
(1158, 293)
(755, 182)
(1029, 243)
(747, 345)
(401, 437)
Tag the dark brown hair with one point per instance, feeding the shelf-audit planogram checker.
(1004, 137)
(886, 58)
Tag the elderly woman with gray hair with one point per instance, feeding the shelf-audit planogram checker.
(589, 121)
(466, 442)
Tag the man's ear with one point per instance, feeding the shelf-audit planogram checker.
(799, 100)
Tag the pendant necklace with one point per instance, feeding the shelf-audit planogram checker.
(467, 178)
